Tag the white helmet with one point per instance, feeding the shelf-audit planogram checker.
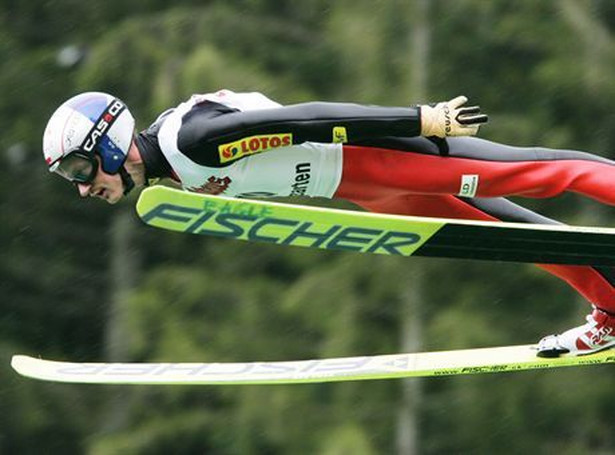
(89, 124)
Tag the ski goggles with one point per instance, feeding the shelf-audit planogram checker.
(77, 167)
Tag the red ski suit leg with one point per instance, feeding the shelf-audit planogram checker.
(385, 173)
(387, 181)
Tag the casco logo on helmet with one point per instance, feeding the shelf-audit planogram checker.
(102, 126)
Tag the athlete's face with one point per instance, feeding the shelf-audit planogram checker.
(104, 186)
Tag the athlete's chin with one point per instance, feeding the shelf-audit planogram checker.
(114, 199)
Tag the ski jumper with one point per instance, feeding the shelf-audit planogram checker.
(245, 145)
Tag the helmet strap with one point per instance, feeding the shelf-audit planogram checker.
(127, 180)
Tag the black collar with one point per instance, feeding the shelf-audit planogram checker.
(156, 165)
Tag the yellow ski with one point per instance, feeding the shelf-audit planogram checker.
(443, 363)
(333, 229)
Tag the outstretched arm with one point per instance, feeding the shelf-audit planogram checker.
(217, 129)
(315, 121)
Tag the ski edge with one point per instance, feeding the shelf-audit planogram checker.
(428, 364)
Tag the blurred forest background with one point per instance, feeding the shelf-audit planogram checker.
(84, 281)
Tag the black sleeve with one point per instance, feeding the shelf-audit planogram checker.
(202, 137)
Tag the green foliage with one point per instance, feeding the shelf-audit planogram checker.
(542, 70)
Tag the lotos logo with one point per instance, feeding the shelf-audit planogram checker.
(253, 144)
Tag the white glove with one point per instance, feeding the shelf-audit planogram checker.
(450, 119)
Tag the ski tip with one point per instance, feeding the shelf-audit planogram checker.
(19, 362)
(31, 367)
(142, 200)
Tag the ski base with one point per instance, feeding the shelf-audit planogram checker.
(443, 363)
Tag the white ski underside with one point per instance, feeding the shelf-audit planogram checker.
(443, 363)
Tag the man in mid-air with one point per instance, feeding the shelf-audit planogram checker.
(398, 160)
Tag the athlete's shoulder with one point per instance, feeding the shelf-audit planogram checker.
(191, 115)
(217, 101)
(195, 127)
(242, 101)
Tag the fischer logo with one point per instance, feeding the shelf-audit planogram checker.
(253, 144)
(103, 125)
(303, 174)
(264, 224)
